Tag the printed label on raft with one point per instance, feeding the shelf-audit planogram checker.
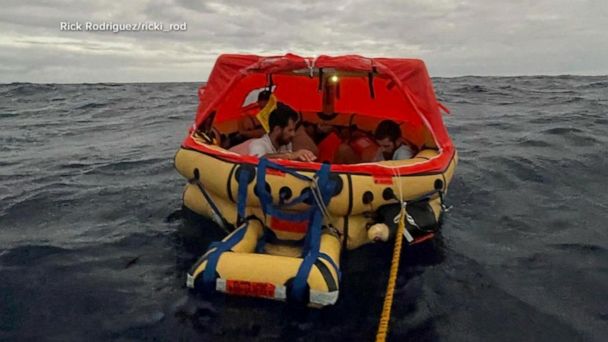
(108, 26)
(248, 288)
(388, 180)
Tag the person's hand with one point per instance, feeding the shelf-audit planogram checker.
(303, 155)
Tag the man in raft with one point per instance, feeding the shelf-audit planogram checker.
(277, 142)
(392, 145)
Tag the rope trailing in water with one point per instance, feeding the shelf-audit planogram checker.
(392, 279)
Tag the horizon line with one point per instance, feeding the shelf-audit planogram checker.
(432, 77)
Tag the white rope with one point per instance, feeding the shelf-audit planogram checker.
(311, 66)
(403, 203)
(316, 193)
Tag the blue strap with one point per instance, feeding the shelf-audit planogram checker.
(331, 261)
(242, 193)
(286, 170)
(214, 257)
(286, 216)
(326, 189)
(306, 195)
(266, 198)
(313, 238)
(310, 252)
(261, 245)
(300, 281)
(260, 184)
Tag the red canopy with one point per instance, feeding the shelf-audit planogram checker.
(402, 89)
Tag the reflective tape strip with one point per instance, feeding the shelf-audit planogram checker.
(323, 298)
(220, 285)
(280, 293)
(407, 235)
(190, 281)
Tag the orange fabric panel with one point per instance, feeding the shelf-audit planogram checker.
(288, 226)
(403, 92)
(328, 148)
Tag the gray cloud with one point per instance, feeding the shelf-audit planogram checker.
(453, 37)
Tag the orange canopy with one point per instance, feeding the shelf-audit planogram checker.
(401, 89)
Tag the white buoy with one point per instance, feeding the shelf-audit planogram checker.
(378, 232)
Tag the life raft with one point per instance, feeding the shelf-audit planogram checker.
(289, 221)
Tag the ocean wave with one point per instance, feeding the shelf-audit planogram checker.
(91, 105)
(26, 89)
(24, 255)
(92, 227)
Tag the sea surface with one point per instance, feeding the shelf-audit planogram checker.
(94, 245)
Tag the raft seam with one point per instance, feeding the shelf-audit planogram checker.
(315, 170)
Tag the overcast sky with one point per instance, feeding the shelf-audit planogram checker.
(454, 38)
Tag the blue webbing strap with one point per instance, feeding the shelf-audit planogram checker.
(310, 252)
(241, 201)
(266, 198)
(260, 185)
(214, 257)
(306, 195)
(285, 170)
(331, 261)
(313, 238)
(326, 189)
(261, 245)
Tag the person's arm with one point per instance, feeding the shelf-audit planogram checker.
(301, 155)
(258, 149)
(303, 141)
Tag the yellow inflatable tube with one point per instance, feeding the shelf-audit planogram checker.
(358, 194)
(241, 271)
(354, 227)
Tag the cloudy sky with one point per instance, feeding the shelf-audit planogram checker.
(454, 37)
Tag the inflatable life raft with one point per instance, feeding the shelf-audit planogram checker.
(289, 221)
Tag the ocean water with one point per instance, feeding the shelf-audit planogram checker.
(93, 245)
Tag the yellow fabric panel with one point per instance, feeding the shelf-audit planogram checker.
(273, 269)
(264, 115)
(449, 173)
(331, 246)
(283, 250)
(199, 270)
(435, 204)
(357, 232)
(265, 268)
(194, 199)
(250, 240)
(213, 173)
(257, 267)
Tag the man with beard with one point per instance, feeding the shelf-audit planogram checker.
(392, 145)
(277, 142)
